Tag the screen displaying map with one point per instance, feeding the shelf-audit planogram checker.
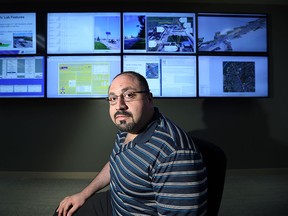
(159, 32)
(233, 76)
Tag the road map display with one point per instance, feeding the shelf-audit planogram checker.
(159, 32)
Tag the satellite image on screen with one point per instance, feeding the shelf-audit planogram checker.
(152, 70)
(238, 76)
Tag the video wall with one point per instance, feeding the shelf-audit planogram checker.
(181, 54)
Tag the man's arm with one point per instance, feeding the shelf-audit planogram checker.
(181, 184)
(71, 203)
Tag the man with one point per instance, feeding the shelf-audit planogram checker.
(154, 168)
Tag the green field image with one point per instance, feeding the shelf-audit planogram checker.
(4, 45)
(100, 46)
(77, 79)
(139, 45)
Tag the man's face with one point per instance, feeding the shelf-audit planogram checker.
(132, 115)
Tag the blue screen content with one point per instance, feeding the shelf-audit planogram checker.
(22, 76)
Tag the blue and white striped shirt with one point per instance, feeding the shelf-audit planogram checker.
(160, 172)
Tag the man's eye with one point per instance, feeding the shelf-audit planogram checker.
(112, 98)
(130, 95)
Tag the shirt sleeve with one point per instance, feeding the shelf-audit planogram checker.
(180, 184)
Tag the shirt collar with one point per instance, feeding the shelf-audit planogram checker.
(148, 132)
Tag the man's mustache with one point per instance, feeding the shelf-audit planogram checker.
(123, 113)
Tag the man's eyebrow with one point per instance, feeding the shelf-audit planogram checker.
(127, 88)
(123, 90)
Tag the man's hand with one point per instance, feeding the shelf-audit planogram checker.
(70, 204)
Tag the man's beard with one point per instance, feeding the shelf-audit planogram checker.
(123, 125)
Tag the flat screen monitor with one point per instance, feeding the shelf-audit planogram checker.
(232, 33)
(84, 32)
(167, 75)
(17, 33)
(233, 76)
(158, 32)
(22, 76)
(81, 76)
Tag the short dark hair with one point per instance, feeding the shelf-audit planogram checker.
(143, 82)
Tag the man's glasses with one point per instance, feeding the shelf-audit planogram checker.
(128, 96)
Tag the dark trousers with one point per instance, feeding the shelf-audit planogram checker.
(98, 204)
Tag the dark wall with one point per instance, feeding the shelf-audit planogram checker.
(77, 135)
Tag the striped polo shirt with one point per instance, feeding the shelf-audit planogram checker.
(160, 172)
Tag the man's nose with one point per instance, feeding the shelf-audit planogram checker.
(121, 105)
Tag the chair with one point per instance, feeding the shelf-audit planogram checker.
(215, 160)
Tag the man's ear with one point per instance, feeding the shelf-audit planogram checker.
(150, 96)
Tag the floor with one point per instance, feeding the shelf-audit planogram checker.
(246, 192)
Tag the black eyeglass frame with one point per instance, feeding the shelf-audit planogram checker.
(122, 95)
